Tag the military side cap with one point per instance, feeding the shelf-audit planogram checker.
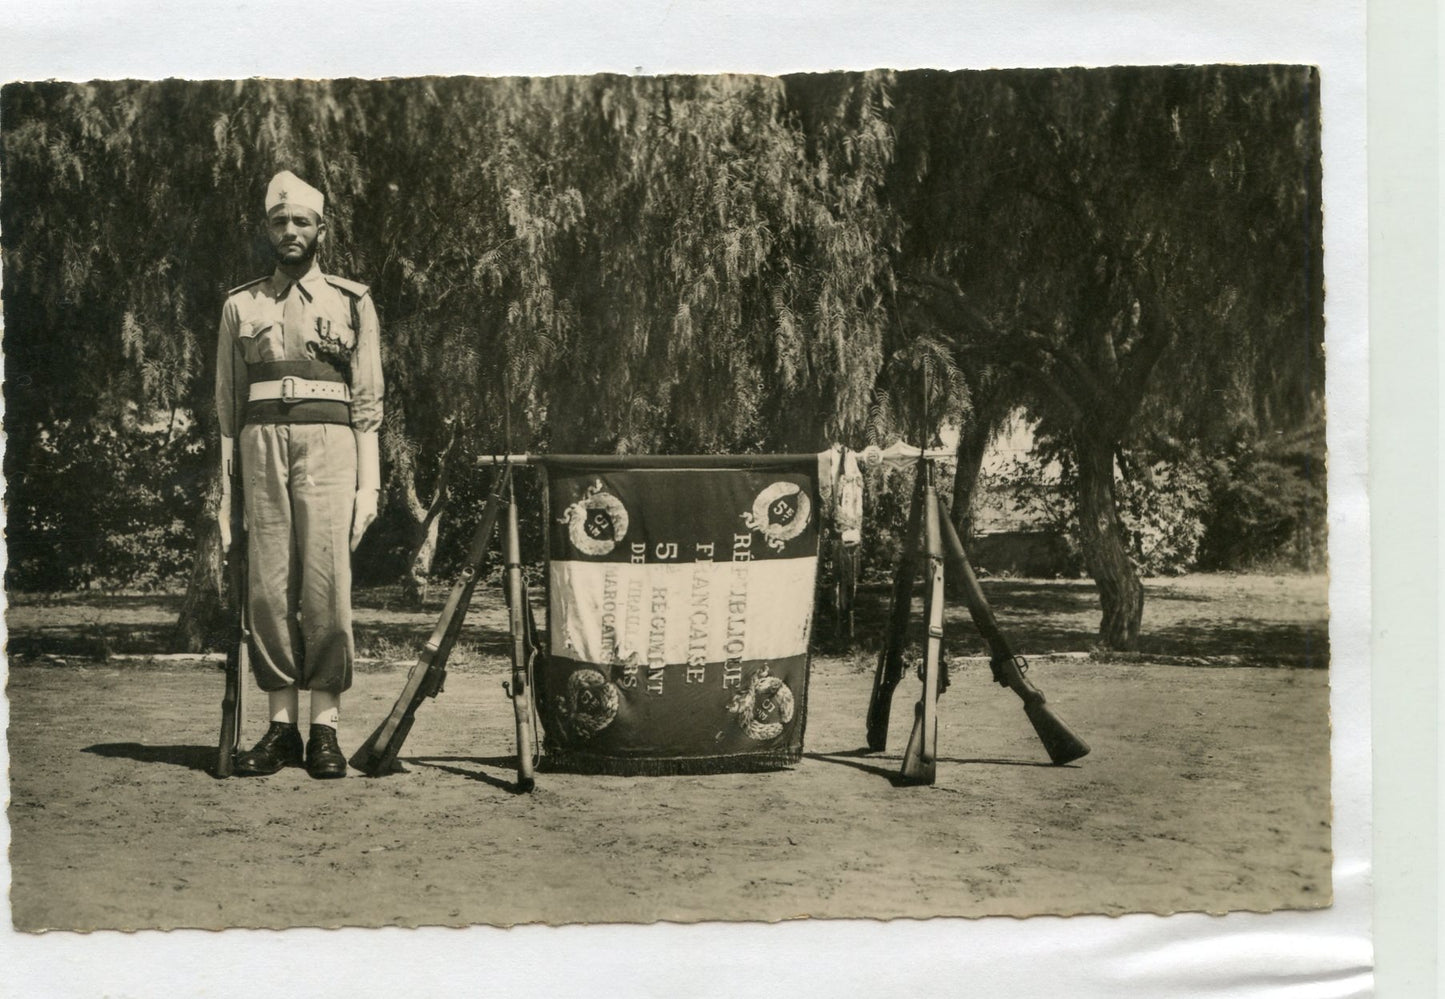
(288, 189)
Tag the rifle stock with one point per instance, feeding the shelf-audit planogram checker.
(890, 658)
(1059, 741)
(524, 647)
(427, 677)
(238, 653)
(1062, 745)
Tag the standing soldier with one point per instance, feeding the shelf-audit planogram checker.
(298, 381)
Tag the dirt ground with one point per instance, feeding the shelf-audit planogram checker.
(1207, 788)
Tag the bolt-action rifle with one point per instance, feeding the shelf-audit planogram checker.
(890, 659)
(238, 652)
(920, 758)
(377, 755)
(1062, 745)
(525, 648)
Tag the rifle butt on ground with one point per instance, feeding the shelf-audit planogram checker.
(238, 662)
(880, 704)
(1059, 741)
(920, 763)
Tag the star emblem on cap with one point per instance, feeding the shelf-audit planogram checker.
(283, 195)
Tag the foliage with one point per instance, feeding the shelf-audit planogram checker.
(1267, 505)
(1163, 506)
(70, 528)
(1085, 227)
(1128, 248)
(600, 263)
(736, 263)
(887, 494)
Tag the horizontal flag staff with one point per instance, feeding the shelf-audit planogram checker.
(869, 457)
(632, 461)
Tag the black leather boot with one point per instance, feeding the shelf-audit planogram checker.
(279, 747)
(323, 755)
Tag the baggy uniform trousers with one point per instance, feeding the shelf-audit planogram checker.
(298, 464)
(300, 490)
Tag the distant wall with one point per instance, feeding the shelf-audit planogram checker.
(1022, 553)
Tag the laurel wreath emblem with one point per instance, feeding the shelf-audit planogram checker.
(780, 513)
(596, 522)
(589, 703)
(764, 708)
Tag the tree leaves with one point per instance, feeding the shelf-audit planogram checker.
(693, 263)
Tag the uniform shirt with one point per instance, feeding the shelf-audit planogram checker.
(317, 318)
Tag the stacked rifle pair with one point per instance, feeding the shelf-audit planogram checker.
(932, 536)
(377, 755)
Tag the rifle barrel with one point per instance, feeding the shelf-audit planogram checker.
(890, 660)
(1062, 745)
(238, 654)
(520, 688)
(377, 756)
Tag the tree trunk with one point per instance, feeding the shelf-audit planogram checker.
(425, 517)
(971, 447)
(1102, 534)
(424, 548)
(203, 623)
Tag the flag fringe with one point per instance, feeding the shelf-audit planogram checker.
(562, 761)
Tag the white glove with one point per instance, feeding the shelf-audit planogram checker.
(368, 484)
(223, 518)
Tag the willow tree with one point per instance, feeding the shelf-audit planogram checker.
(646, 263)
(728, 286)
(620, 264)
(129, 209)
(1138, 247)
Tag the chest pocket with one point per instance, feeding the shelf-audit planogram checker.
(261, 341)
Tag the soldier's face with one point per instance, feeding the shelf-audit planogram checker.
(295, 233)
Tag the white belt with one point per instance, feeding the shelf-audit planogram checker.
(292, 389)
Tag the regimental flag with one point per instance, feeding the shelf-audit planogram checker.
(680, 606)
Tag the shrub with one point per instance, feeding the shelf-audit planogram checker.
(1161, 504)
(887, 494)
(1267, 505)
(103, 507)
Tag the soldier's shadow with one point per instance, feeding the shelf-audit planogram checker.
(201, 758)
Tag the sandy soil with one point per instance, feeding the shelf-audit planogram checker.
(1207, 789)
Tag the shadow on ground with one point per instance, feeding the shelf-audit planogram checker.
(467, 766)
(1188, 625)
(1042, 616)
(888, 768)
(191, 757)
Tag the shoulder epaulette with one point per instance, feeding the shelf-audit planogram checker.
(353, 288)
(243, 287)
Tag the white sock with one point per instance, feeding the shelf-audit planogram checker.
(285, 705)
(325, 708)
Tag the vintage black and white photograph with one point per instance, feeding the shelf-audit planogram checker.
(452, 501)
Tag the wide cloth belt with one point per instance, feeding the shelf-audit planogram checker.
(293, 389)
(297, 392)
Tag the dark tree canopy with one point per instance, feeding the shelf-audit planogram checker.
(694, 263)
(1134, 253)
